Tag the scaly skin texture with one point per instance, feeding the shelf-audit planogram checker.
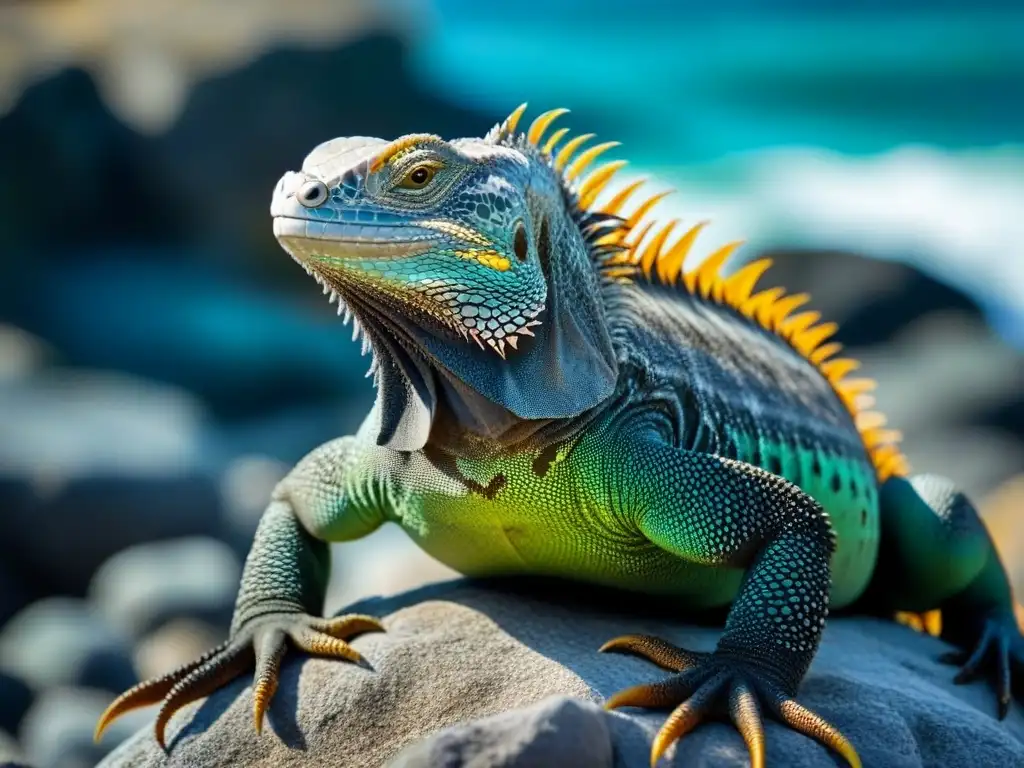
(556, 395)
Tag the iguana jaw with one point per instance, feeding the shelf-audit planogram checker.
(345, 262)
(312, 242)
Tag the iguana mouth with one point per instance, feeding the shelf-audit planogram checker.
(309, 239)
(306, 249)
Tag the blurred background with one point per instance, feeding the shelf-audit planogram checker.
(163, 362)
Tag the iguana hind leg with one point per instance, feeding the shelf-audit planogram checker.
(282, 590)
(937, 554)
(730, 515)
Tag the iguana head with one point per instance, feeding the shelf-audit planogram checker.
(467, 264)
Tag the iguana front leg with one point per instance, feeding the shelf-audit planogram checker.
(328, 496)
(719, 512)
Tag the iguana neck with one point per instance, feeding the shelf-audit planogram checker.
(462, 398)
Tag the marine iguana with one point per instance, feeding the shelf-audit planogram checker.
(558, 394)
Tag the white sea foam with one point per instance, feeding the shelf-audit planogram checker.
(958, 216)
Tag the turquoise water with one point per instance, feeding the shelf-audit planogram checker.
(681, 84)
(699, 96)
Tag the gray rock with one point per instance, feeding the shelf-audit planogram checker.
(491, 656)
(144, 586)
(62, 641)
(13, 593)
(10, 754)
(57, 732)
(557, 732)
(64, 423)
(15, 699)
(58, 530)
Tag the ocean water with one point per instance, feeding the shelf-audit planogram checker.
(895, 128)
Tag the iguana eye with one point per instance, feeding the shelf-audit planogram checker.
(313, 194)
(418, 177)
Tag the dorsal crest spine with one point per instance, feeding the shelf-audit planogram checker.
(625, 251)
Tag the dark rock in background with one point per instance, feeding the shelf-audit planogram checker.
(871, 299)
(14, 594)
(75, 176)
(58, 730)
(59, 536)
(63, 641)
(144, 586)
(15, 699)
(244, 129)
(907, 328)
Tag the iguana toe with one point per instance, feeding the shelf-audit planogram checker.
(709, 684)
(263, 643)
(149, 692)
(654, 649)
(319, 637)
(999, 653)
(176, 689)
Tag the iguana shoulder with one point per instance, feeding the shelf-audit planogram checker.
(649, 278)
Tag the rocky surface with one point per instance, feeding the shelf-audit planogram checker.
(487, 674)
(10, 754)
(62, 641)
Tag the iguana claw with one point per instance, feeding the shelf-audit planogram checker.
(262, 642)
(999, 651)
(702, 684)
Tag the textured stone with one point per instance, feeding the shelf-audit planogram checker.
(555, 733)
(494, 663)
